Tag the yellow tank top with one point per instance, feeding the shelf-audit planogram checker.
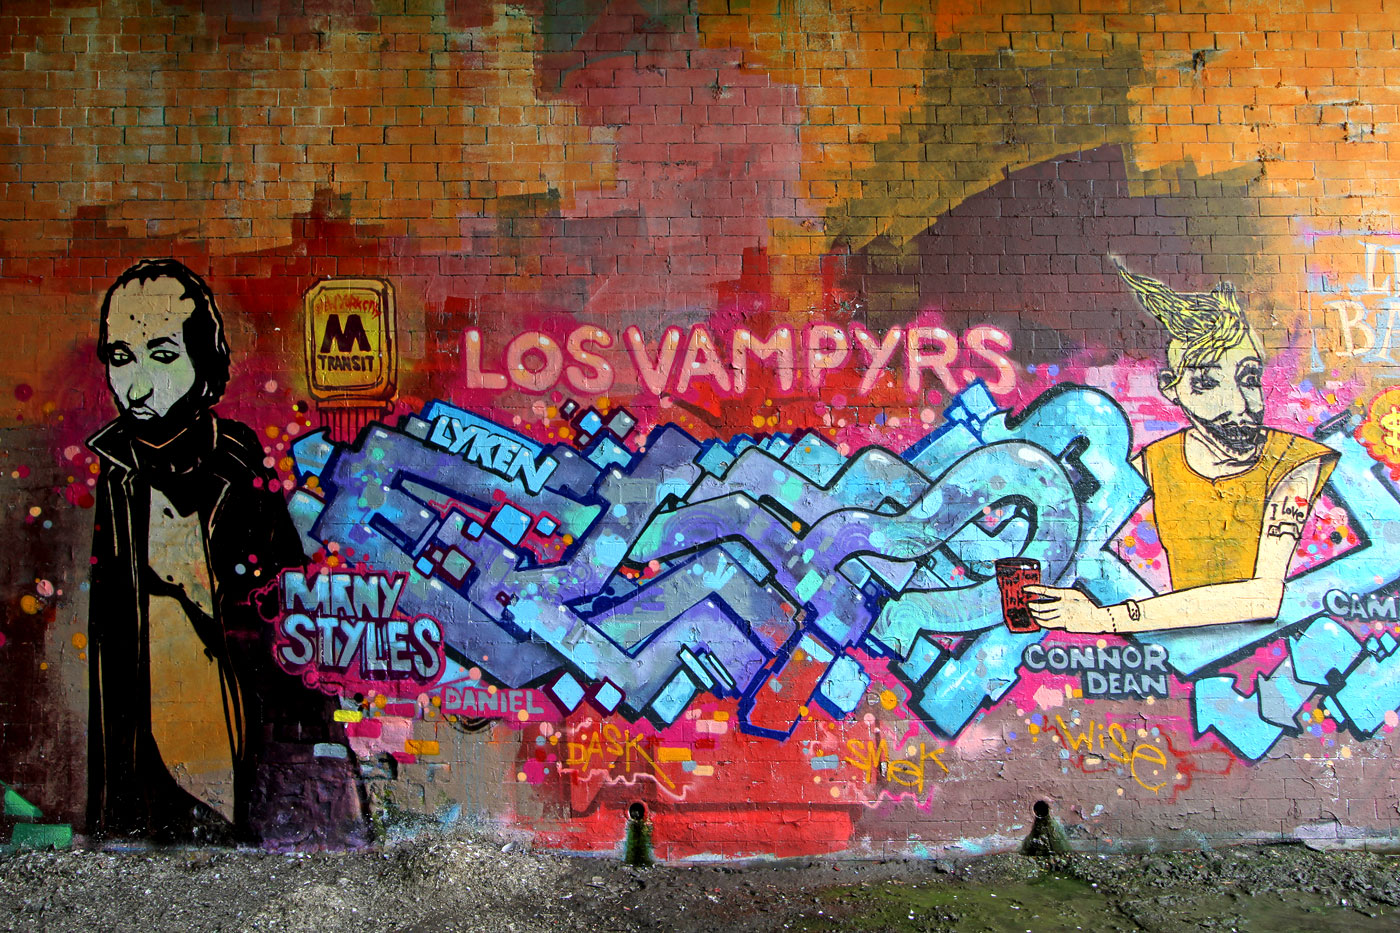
(1210, 528)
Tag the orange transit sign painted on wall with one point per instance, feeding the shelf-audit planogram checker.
(351, 357)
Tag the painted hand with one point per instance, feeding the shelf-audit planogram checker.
(1070, 610)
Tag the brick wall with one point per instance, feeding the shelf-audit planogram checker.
(843, 264)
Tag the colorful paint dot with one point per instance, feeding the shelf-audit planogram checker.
(29, 604)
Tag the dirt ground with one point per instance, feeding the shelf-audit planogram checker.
(490, 884)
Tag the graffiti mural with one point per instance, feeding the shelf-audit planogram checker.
(620, 583)
(760, 568)
(492, 417)
(462, 569)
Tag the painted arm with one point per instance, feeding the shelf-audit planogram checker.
(1255, 599)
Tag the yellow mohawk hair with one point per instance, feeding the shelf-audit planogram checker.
(1206, 324)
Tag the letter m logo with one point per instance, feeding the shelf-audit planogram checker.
(350, 339)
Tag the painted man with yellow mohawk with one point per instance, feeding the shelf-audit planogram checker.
(1230, 496)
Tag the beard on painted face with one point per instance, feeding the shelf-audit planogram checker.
(1240, 434)
(156, 430)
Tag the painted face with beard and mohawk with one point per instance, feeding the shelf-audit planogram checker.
(1215, 366)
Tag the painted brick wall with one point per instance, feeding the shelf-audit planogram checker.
(652, 388)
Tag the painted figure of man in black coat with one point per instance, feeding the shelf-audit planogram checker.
(194, 733)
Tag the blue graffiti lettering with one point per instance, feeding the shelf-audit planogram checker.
(712, 567)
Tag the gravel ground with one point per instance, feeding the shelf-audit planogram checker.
(494, 885)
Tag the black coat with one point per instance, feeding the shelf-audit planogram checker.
(215, 468)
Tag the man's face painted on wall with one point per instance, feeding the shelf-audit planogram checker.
(1225, 399)
(148, 366)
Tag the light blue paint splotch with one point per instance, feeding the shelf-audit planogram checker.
(567, 691)
(808, 585)
(844, 684)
